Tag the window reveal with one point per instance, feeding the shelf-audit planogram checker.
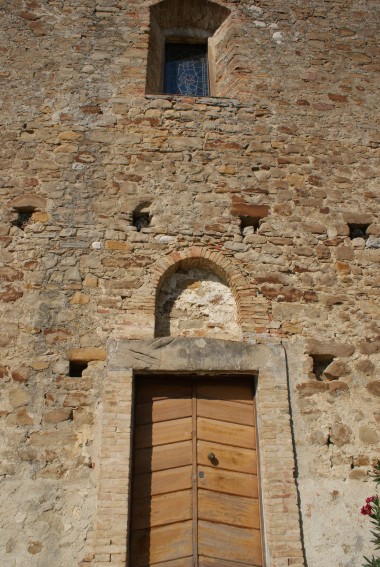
(186, 69)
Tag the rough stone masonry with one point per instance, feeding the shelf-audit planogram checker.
(261, 207)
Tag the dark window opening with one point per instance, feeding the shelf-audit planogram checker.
(358, 231)
(141, 220)
(76, 368)
(320, 363)
(249, 225)
(24, 217)
(186, 69)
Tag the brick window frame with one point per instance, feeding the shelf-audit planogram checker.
(186, 21)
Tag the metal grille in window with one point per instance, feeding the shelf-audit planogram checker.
(186, 69)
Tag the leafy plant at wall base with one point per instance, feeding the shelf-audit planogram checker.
(372, 509)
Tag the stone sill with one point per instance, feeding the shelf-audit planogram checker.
(209, 100)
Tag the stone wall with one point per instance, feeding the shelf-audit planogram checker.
(294, 145)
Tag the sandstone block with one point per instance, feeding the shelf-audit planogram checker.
(357, 474)
(79, 299)
(342, 268)
(53, 336)
(227, 169)
(8, 274)
(18, 398)
(340, 434)
(368, 435)
(35, 547)
(39, 365)
(366, 367)
(303, 251)
(118, 245)
(21, 374)
(314, 228)
(51, 471)
(336, 369)
(370, 346)
(90, 281)
(329, 348)
(57, 415)
(310, 388)
(40, 216)
(358, 218)
(374, 388)
(86, 354)
(76, 399)
(241, 208)
(52, 439)
(28, 201)
(19, 417)
(337, 388)
(337, 97)
(10, 294)
(323, 252)
(184, 143)
(82, 417)
(70, 135)
(344, 253)
(318, 437)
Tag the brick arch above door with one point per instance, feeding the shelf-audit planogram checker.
(252, 309)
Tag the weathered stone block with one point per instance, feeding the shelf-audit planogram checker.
(10, 294)
(314, 346)
(86, 354)
(374, 388)
(340, 434)
(369, 346)
(28, 201)
(18, 398)
(52, 439)
(20, 417)
(77, 399)
(358, 218)
(57, 415)
(310, 388)
(336, 369)
(367, 435)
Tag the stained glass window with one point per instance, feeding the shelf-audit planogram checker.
(186, 69)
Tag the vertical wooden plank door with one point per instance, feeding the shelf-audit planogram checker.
(195, 488)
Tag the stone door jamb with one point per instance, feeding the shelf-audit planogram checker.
(180, 355)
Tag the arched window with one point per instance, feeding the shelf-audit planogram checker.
(183, 43)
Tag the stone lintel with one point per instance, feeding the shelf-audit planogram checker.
(195, 355)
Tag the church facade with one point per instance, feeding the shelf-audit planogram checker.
(189, 282)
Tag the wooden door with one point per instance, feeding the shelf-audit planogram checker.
(195, 490)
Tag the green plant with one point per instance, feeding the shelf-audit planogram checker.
(372, 509)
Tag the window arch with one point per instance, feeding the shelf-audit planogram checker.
(183, 41)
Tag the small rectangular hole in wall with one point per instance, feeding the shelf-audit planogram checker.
(141, 220)
(76, 368)
(320, 363)
(24, 217)
(249, 225)
(358, 230)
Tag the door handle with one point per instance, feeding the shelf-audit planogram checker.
(213, 460)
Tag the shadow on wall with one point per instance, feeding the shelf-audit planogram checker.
(196, 303)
